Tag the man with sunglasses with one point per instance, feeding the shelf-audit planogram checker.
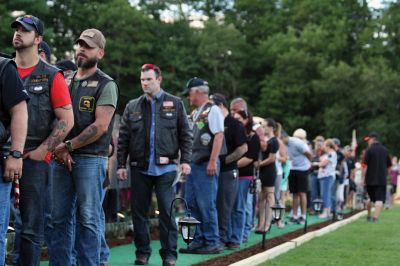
(78, 179)
(155, 133)
(50, 120)
(13, 117)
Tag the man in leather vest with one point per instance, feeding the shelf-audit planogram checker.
(154, 130)
(77, 185)
(13, 119)
(50, 120)
(202, 183)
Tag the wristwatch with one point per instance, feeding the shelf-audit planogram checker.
(68, 144)
(16, 154)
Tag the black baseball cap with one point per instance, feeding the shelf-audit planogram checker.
(371, 135)
(65, 65)
(193, 82)
(218, 99)
(29, 23)
(45, 48)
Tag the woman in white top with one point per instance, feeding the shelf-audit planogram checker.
(326, 175)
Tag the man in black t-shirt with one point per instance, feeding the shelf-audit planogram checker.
(376, 162)
(228, 181)
(13, 117)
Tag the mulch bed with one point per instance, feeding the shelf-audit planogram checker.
(230, 258)
(269, 243)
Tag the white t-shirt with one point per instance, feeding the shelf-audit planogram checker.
(329, 169)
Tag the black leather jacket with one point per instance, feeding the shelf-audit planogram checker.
(172, 132)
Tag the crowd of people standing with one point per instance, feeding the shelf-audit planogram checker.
(236, 166)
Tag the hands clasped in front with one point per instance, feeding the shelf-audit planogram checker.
(62, 156)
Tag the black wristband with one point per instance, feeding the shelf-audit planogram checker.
(68, 145)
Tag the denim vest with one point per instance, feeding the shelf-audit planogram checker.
(41, 114)
(84, 103)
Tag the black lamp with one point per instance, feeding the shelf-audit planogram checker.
(277, 212)
(317, 203)
(187, 224)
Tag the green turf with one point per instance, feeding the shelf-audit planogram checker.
(359, 243)
(124, 255)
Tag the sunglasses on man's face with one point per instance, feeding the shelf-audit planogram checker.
(26, 19)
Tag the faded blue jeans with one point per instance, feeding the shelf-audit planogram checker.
(201, 197)
(238, 216)
(326, 184)
(5, 190)
(83, 187)
(250, 208)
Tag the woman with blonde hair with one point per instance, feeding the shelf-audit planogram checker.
(326, 175)
(281, 157)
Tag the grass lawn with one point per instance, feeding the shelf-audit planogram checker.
(358, 243)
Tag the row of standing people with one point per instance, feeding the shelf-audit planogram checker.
(59, 202)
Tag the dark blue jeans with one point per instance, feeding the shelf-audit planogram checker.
(142, 188)
(228, 185)
(201, 196)
(33, 201)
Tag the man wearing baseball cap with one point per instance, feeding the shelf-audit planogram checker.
(202, 183)
(376, 162)
(50, 120)
(79, 177)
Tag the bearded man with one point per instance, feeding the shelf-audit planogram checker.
(79, 176)
(50, 120)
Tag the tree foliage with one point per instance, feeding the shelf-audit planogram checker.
(327, 66)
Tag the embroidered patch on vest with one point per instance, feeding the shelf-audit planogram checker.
(86, 104)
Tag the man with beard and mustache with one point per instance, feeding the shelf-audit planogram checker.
(50, 120)
(78, 183)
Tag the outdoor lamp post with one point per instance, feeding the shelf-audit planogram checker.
(187, 224)
(317, 207)
(317, 203)
(277, 213)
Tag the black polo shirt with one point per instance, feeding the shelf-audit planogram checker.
(377, 160)
(235, 136)
(11, 90)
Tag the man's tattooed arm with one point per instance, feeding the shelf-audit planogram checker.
(63, 125)
(98, 128)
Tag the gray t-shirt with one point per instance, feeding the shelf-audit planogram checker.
(296, 149)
